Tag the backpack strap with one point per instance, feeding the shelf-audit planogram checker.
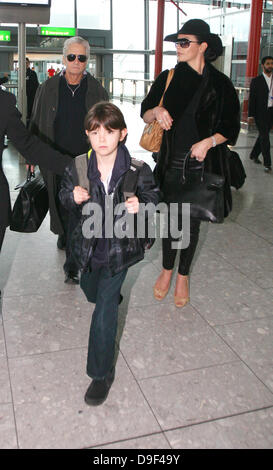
(130, 181)
(80, 176)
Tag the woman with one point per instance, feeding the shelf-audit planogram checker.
(201, 113)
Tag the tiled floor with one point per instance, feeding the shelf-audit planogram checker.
(201, 377)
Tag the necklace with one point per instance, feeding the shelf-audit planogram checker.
(73, 91)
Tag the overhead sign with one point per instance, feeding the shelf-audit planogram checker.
(57, 32)
(5, 36)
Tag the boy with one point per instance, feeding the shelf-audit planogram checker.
(103, 260)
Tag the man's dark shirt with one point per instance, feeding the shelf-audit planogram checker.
(70, 137)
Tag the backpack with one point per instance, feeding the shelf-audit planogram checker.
(129, 183)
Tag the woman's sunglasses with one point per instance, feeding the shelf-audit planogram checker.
(81, 58)
(185, 43)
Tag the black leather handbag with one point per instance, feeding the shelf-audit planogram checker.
(31, 205)
(205, 193)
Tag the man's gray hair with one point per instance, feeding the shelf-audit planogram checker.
(76, 40)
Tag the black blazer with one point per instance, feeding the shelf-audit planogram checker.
(29, 146)
(258, 98)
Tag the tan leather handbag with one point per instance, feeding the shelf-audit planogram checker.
(152, 133)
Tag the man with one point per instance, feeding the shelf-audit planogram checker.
(261, 109)
(4, 79)
(51, 72)
(32, 84)
(59, 110)
(32, 149)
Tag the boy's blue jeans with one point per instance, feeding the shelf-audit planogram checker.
(104, 290)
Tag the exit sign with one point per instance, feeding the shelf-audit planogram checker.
(5, 36)
(57, 32)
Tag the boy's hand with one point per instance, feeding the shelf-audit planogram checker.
(80, 195)
(132, 205)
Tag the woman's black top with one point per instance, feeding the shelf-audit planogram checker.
(181, 100)
(185, 132)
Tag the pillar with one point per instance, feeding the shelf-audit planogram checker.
(254, 40)
(159, 37)
(253, 51)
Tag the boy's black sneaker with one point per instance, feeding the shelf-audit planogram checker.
(71, 278)
(98, 390)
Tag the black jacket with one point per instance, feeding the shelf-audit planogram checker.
(258, 98)
(122, 252)
(218, 112)
(30, 147)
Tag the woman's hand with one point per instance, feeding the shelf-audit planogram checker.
(80, 195)
(132, 205)
(163, 117)
(200, 149)
(159, 114)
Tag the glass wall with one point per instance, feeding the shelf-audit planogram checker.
(128, 24)
(128, 34)
(94, 15)
(62, 16)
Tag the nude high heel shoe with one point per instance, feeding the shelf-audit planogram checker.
(179, 301)
(160, 294)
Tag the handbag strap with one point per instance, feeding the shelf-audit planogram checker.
(185, 164)
(168, 81)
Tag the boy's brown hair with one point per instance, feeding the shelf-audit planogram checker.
(104, 114)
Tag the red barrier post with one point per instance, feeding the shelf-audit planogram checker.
(159, 37)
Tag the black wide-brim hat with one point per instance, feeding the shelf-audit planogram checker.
(201, 29)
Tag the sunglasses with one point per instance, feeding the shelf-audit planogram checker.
(81, 58)
(185, 43)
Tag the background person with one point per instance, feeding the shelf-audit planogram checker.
(200, 112)
(260, 108)
(59, 110)
(4, 79)
(32, 84)
(51, 72)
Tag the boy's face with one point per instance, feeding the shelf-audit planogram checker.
(105, 142)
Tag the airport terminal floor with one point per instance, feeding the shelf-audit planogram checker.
(191, 378)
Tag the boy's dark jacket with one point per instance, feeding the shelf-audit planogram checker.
(122, 252)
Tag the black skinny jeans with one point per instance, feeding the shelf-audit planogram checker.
(172, 192)
(186, 254)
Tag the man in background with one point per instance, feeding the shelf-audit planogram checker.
(32, 84)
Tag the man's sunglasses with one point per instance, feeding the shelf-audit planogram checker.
(81, 58)
(185, 43)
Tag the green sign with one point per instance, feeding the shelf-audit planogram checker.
(5, 36)
(57, 32)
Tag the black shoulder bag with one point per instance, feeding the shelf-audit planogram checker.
(31, 205)
(205, 193)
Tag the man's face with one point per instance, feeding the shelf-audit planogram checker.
(75, 67)
(268, 66)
